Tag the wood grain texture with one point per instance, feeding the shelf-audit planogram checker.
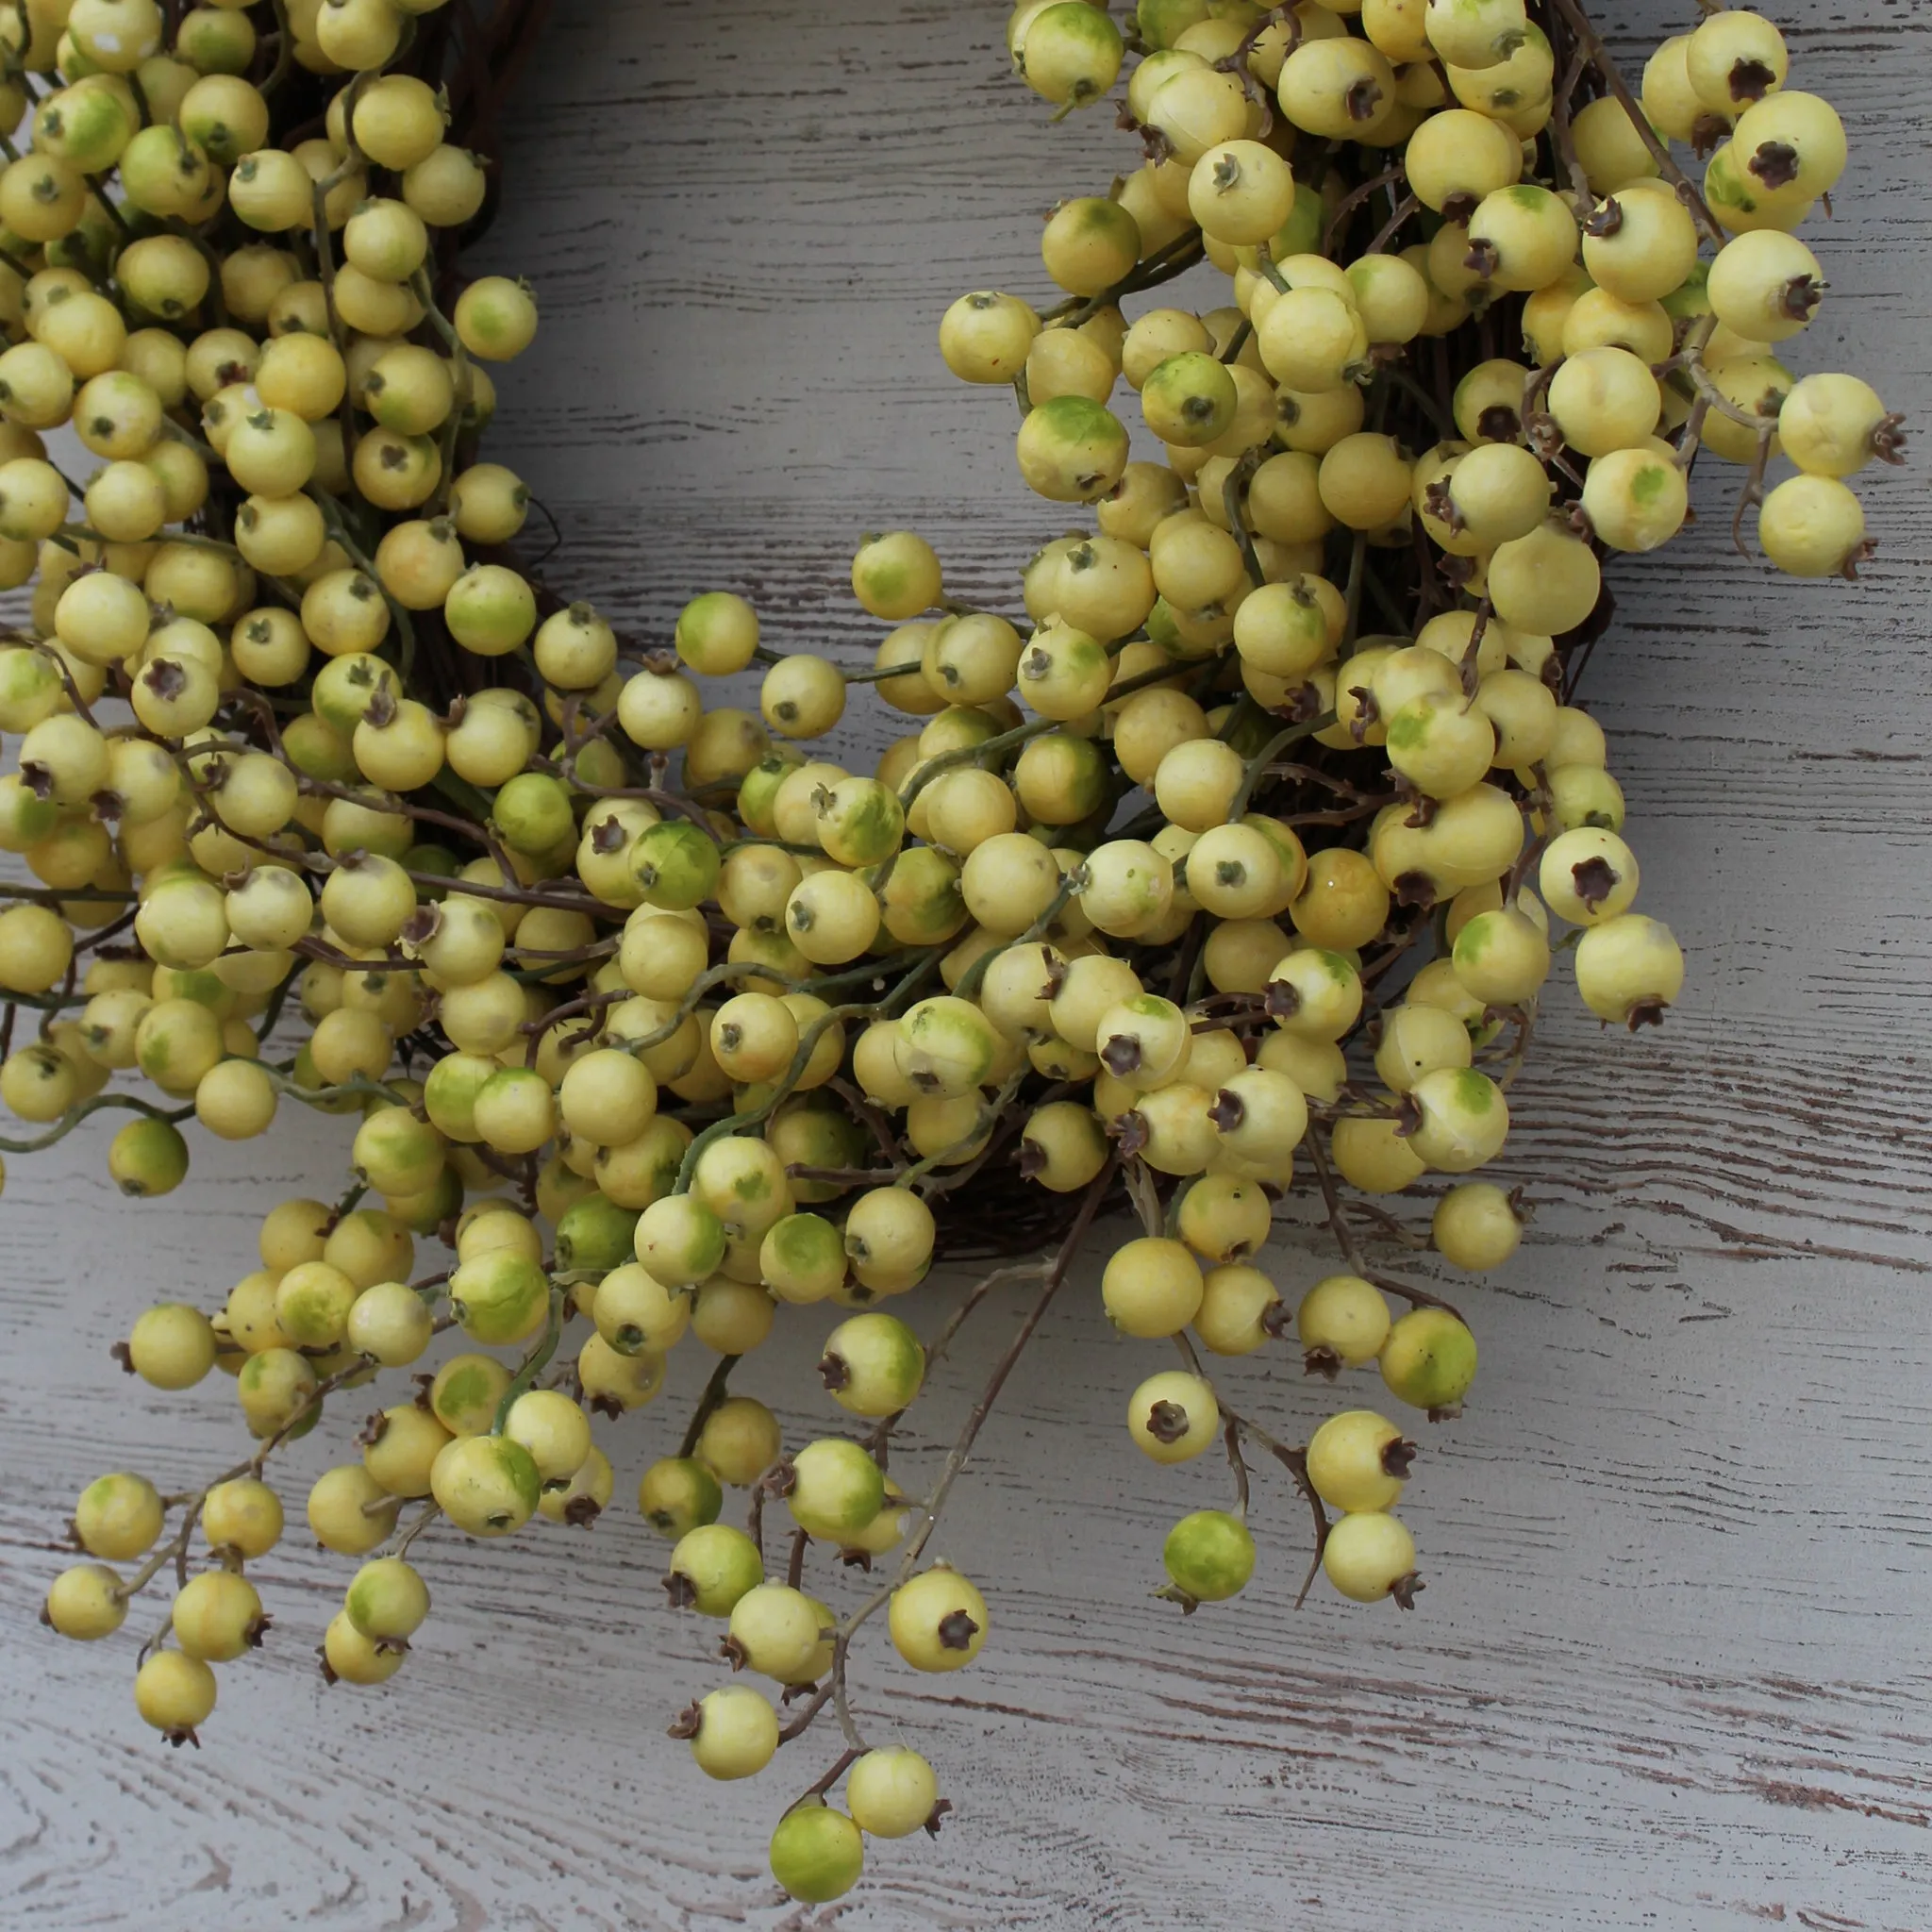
(1668, 1671)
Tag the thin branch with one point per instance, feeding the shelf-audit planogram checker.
(1659, 151)
(714, 1393)
(1351, 1250)
(962, 1447)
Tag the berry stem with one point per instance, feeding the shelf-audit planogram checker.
(956, 1456)
(1354, 199)
(1599, 58)
(81, 1109)
(714, 1393)
(534, 1363)
(1344, 1237)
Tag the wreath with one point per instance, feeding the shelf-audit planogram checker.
(1234, 858)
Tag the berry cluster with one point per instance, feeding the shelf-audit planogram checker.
(1182, 882)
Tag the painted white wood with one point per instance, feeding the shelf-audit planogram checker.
(1668, 1671)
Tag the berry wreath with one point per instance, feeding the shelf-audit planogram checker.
(1234, 860)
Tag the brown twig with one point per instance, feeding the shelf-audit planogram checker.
(1659, 151)
(1351, 1250)
(962, 1447)
(714, 1393)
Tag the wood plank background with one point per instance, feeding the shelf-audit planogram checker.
(1670, 1670)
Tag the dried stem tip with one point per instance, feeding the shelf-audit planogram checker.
(957, 1631)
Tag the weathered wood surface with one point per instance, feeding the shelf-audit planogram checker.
(1669, 1671)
